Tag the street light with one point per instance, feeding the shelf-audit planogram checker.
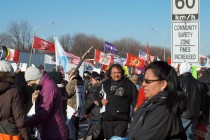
(164, 42)
(35, 29)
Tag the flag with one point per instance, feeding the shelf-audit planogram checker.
(72, 58)
(102, 58)
(110, 48)
(134, 61)
(41, 44)
(9, 54)
(142, 55)
(49, 59)
(60, 54)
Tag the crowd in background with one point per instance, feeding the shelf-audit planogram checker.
(158, 104)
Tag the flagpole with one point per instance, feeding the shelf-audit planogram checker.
(81, 60)
(29, 63)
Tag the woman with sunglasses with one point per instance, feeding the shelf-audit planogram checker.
(158, 118)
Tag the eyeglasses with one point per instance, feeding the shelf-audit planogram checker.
(147, 81)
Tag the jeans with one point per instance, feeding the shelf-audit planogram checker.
(189, 127)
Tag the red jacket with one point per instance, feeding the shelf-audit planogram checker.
(141, 97)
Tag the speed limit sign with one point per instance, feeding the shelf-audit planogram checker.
(185, 10)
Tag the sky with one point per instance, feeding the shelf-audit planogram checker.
(110, 20)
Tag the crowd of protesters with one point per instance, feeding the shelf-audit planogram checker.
(159, 104)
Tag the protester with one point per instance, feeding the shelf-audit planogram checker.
(57, 77)
(120, 93)
(134, 79)
(194, 92)
(158, 118)
(24, 90)
(205, 78)
(93, 110)
(48, 106)
(76, 100)
(12, 115)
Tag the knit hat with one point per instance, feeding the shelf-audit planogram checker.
(96, 76)
(184, 67)
(5, 66)
(32, 73)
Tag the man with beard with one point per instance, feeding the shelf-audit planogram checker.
(48, 106)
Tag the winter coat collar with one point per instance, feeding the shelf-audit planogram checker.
(158, 98)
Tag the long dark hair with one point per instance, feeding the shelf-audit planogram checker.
(176, 99)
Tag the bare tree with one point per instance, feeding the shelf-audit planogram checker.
(5, 40)
(20, 34)
(128, 45)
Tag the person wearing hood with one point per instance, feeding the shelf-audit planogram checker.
(76, 100)
(194, 92)
(12, 115)
(48, 106)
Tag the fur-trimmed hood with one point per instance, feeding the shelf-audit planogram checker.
(7, 77)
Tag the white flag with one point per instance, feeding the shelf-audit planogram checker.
(60, 55)
(49, 59)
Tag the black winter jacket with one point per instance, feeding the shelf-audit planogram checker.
(153, 121)
(118, 107)
(194, 92)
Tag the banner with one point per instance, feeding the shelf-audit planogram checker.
(49, 59)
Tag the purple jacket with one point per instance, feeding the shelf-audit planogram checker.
(49, 112)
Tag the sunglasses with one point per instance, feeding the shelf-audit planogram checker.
(147, 81)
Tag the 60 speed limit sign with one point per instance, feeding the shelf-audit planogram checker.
(185, 10)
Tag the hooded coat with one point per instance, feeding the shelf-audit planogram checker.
(11, 107)
(49, 111)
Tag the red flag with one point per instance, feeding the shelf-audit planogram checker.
(102, 58)
(41, 44)
(72, 58)
(134, 61)
(169, 60)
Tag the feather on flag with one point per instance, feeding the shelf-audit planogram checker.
(134, 61)
(110, 48)
(41, 44)
(72, 58)
(102, 58)
(9, 54)
(60, 54)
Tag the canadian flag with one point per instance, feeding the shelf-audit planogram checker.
(102, 58)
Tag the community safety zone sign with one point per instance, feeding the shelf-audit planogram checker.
(185, 42)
